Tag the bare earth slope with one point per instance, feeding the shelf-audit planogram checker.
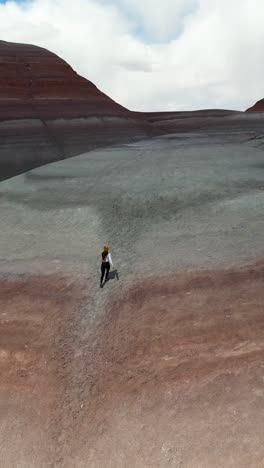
(171, 377)
(163, 367)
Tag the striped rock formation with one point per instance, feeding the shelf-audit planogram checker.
(48, 112)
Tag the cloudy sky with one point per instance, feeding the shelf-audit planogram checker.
(152, 54)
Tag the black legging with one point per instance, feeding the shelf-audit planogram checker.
(105, 267)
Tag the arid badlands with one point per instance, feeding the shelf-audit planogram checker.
(164, 366)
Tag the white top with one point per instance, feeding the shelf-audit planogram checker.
(108, 258)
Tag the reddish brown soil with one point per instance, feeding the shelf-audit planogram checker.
(35, 314)
(171, 376)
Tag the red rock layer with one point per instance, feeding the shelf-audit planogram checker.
(35, 83)
(258, 107)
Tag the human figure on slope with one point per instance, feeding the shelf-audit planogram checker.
(106, 263)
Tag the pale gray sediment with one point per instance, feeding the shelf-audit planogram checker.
(163, 204)
(167, 204)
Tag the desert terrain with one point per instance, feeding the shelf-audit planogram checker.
(163, 367)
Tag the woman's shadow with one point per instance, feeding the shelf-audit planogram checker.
(112, 275)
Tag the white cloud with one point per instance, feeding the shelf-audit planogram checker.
(160, 20)
(152, 55)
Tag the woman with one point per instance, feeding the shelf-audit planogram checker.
(106, 262)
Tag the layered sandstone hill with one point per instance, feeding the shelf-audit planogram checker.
(35, 83)
(258, 107)
(48, 112)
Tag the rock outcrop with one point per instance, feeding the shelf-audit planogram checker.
(258, 107)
